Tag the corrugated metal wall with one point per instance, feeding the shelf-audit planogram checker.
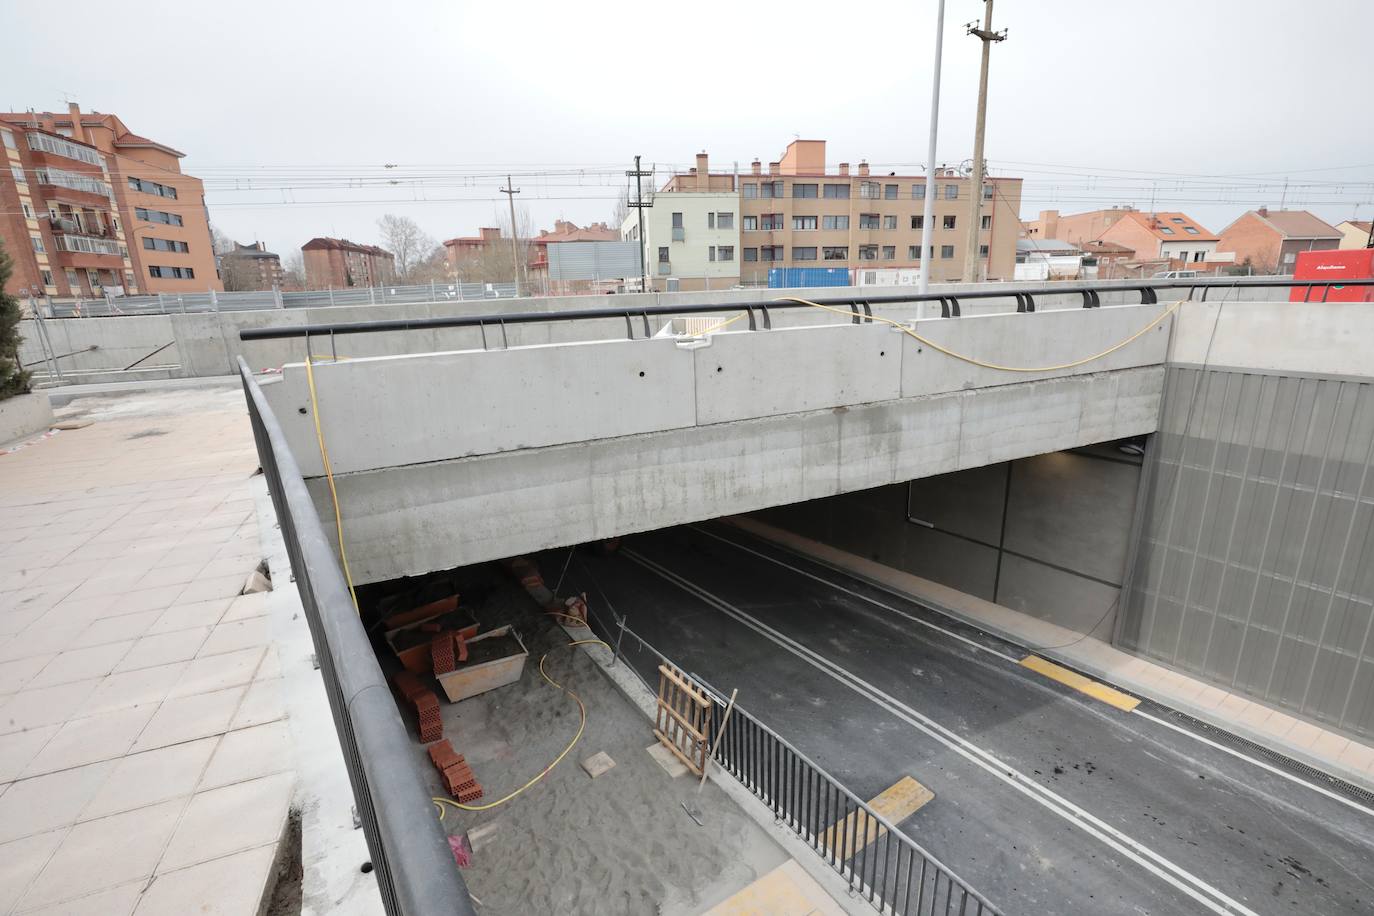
(1255, 561)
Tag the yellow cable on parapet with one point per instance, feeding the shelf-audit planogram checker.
(440, 801)
(978, 362)
(329, 475)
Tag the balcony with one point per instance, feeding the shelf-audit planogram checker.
(74, 187)
(73, 250)
(679, 234)
(664, 268)
(57, 146)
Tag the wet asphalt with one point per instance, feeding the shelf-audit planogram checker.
(1196, 830)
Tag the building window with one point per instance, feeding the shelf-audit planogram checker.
(835, 253)
(982, 251)
(918, 222)
(711, 220)
(751, 254)
(157, 216)
(28, 211)
(751, 223)
(128, 281)
(152, 244)
(37, 243)
(913, 252)
(750, 189)
(803, 223)
(948, 222)
(73, 282)
(870, 189)
(951, 192)
(114, 221)
(868, 221)
(152, 187)
(987, 192)
(890, 221)
(771, 222)
(123, 252)
(803, 254)
(946, 251)
(1166, 230)
(985, 222)
(890, 192)
(837, 191)
(725, 253)
(47, 277)
(771, 253)
(1198, 256)
(172, 273)
(835, 222)
(1176, 219)
(868, 252)
(18, 174)
(7, 138)
(771, 189)
(889, 252)
(710, 252)
(1190, 230)
(918, 191)
(804, 190)
(663, 255)
(725, 220)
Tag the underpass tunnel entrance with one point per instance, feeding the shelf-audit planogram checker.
(1047, 535)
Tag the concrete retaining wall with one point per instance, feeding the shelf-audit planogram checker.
(23, 415)
(1047, 535)
(207, 343)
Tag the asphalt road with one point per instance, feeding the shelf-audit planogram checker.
(1046, 800)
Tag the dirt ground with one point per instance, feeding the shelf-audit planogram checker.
(618, 844)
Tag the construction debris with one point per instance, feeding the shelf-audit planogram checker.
(425, 702)
(598, 763)
(459, 780)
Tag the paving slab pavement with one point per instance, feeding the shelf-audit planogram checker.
(144, 764)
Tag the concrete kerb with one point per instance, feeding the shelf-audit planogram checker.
(928, 593)
(634, 690)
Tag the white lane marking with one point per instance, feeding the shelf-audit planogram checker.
(1335, 796)
(1190, 884)
(887, 607)
(1182, 731)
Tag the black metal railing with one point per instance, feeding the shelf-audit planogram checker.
(414, 866)
(879, 862)
(759, 310)
(893, 872)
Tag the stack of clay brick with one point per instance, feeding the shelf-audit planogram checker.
(458, 778)
(426, 705)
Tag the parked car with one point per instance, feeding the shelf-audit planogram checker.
(1176, 275)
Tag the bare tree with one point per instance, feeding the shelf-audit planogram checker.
(293, 271)
(403, 237)
(431, 267)
(493, 262)
(621, 212)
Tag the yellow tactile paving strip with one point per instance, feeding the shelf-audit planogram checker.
(900, 800)
(1097, 691)
(785, 891)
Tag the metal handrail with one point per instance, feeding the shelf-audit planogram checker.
(414, 865)
(860, 305)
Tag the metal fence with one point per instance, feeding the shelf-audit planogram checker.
(183, 303)
(416, 874)
(880, 863)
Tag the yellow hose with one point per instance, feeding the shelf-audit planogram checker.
(440, 802)
(978, 362)
(329, 475)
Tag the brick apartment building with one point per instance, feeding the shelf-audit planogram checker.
(250, 267)
(466, 248)
(799, 213)
(1270, 240)
(338, 264)
(89, 207)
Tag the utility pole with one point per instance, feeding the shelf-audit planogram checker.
(972, 262)
(637, 174)
(510, 193)
(928, 206)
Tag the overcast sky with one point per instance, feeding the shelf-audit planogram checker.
(291, 112)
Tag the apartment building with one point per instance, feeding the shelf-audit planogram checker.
(59, 219)
(801, 214)
(338, 264)
(1271, 240)
(1355, 233)
(691, 237)
(161, 217)
(250, 267)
